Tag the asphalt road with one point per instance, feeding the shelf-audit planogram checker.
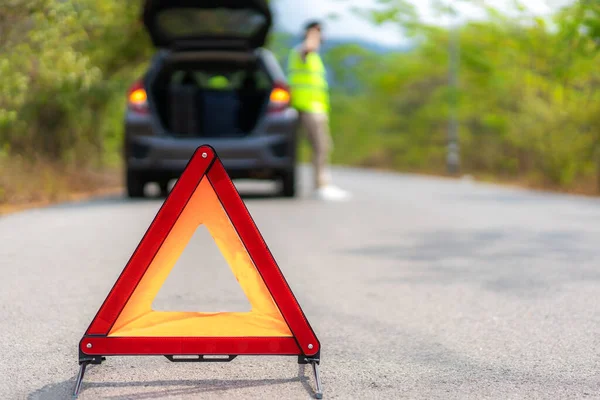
(417, 288)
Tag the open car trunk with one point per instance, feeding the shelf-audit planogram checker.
(207, 42)
(210, 94)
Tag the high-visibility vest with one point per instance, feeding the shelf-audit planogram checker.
(308, 83)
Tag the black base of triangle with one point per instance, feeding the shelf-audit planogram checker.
(85, 360)
(314, 361)
(200, 358)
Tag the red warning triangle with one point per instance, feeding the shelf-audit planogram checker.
(126, 324)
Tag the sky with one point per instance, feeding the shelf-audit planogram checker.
(290, 16)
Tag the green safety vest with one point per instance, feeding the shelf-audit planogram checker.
(308, 84)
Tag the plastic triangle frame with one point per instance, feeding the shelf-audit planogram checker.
(124, 327)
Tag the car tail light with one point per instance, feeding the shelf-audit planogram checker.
(137, 98)
(280, 98)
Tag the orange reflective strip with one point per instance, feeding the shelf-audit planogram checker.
(138, 318)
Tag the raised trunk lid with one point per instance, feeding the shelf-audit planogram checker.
(207, 23)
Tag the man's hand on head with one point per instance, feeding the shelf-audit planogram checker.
(311, 43)
(312, 40)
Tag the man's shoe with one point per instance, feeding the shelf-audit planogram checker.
(332, 193)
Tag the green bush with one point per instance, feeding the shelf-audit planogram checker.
(65, 66)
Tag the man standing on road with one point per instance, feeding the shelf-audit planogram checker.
(310, 97)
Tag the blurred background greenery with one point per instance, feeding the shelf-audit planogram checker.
(527, 101)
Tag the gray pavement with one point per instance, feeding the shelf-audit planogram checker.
(418, 288)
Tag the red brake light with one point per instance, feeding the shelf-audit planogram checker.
(280, 98)
(137, 98)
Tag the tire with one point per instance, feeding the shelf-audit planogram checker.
(164, 188)
(288, 183)
(288, 179)
(135, 185)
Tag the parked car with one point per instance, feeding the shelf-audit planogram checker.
(210, 81)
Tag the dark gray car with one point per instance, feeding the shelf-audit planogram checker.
(210, 82)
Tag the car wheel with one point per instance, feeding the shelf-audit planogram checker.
(288, 183)
(164, 188)
(135, 185)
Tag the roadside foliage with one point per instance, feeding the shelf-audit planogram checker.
(528, 100)
(65, 67)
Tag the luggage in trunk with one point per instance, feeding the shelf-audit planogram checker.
(221, 110)
(188, 106)
(183, 109)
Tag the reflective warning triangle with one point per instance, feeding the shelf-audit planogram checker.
(126, 324)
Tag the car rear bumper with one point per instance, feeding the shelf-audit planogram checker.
(261, 156)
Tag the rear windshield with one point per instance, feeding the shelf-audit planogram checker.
(188, 22)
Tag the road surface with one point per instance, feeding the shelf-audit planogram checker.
(417, 288)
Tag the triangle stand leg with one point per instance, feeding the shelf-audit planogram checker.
(315, 365)
(314, 362)
(84, 361)
(79, 379)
